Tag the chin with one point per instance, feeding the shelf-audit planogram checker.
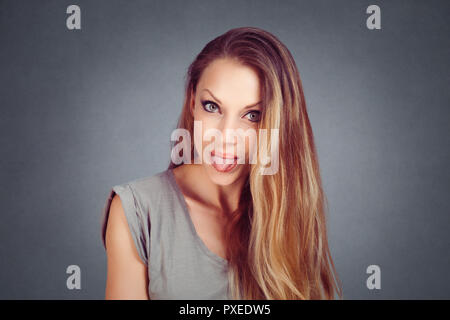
(224, 178)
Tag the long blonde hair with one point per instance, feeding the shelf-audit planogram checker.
(277, 245)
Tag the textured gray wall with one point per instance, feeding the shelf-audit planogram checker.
(86, 109)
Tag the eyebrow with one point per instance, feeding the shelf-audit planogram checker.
(247, 107)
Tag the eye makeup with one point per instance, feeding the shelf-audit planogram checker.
(212, 107)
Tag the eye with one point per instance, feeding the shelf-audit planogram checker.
(254, 116)
(210, 106)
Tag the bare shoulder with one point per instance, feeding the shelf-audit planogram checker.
(117, 228)
(127, 275)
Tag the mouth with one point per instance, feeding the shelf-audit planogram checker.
(223, 162)
(223, 155)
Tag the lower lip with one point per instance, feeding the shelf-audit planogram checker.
(224, 168)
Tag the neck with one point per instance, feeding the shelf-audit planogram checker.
(223, 198)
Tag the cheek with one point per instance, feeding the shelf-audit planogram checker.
(251, 147)
(204, 121)
(204, 117)
(207, 126)
(206, 134)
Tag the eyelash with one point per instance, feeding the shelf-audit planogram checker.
(206, 102)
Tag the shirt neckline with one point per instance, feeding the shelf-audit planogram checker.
(183, 203)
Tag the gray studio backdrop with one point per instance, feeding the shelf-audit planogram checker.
(83, 110)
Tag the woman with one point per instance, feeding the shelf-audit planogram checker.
(223, 227)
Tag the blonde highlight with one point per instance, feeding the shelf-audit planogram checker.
(277, 243)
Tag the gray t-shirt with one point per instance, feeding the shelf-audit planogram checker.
(179, 264)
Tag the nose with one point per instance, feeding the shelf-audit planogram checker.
(227, 126)
(232, 142)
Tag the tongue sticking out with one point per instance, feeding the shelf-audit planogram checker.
(223, 165)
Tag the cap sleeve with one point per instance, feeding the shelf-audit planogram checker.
(136, 219)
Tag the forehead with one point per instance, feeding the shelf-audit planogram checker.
(230, 82)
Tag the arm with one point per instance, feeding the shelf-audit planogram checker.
(127, 276)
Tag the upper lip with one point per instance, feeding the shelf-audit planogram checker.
(223, 155)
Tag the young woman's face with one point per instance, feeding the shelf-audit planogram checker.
(227, 97)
